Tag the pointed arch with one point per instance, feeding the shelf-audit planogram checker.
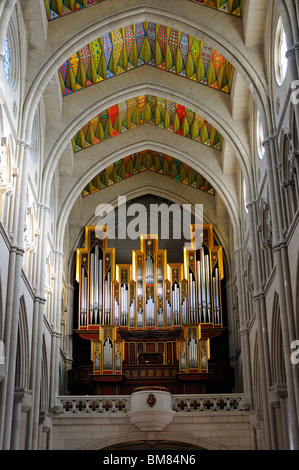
(44, 387)
(277, 355)
(257, 395)
(22, 357)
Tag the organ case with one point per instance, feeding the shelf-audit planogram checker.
(135, 314)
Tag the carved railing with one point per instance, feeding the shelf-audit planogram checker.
(229, 402)
(180, 403)
(96, 404)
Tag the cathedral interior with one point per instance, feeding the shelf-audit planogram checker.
(149, 225)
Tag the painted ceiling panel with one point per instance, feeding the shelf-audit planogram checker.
(146, 44)
(233, 7)
(147, 109)
(57, 8)
(151, 161)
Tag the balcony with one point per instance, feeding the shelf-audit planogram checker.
(122, 404)
(152, 416)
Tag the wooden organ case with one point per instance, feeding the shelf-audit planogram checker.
(149, 323)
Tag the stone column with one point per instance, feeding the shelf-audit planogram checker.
(56, 335)
(14, 292)
(38, 314)
(244, 334)
(22, 403)
(259, 298)
(284, 285)
(69, 327)
(293, 66)
(277, 393)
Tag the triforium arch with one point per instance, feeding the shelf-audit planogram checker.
(63, 97)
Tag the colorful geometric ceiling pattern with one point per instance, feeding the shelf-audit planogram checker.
(233, 7)
(57, 8)
(149, 109)
(152, 161)
(146, 43)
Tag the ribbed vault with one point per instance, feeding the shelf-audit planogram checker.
(203, 51)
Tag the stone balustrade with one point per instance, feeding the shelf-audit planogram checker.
(180, 403)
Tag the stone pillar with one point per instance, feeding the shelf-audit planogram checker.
(69, 328)
(38, 314)
(14, 292)
(293, 66)
(257, 431)
(284, 284)
(244, 333)
(277, 394)
(22, 404)
(259, 302)
(45, 432)
(56, 335)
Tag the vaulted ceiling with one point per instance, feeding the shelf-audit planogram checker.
(115, 76)
(57, 8)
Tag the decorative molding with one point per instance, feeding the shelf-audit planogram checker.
(269, 140)
(270, 279)
(293, 50)
(292, 228)
(5, 236)
(27, 284)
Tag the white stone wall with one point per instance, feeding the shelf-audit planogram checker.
(207, 430)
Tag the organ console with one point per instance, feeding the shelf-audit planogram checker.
(149, 322)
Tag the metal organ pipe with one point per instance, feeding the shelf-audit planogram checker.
(207, 267)
(100, 290)
(194, 299)
(83, 297)
(184, 311)
(203, 284)
(192, 295)
(95, 288)
(168, 313)
(160, 293)
(199, 291)
(217, 302)
(150, 312)
(159, 281)
(214, 298)
(139, 282)
(124, 304)
(96, 285)
(108, 359)
(191, 298)
(149, 280)
(139, 295)
(116, 312)
(192, 353)
(176, 304)
(91, 287)
(107, 298)
(132, 313)
(149, 269)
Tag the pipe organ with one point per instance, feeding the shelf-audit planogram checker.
(149, 322)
